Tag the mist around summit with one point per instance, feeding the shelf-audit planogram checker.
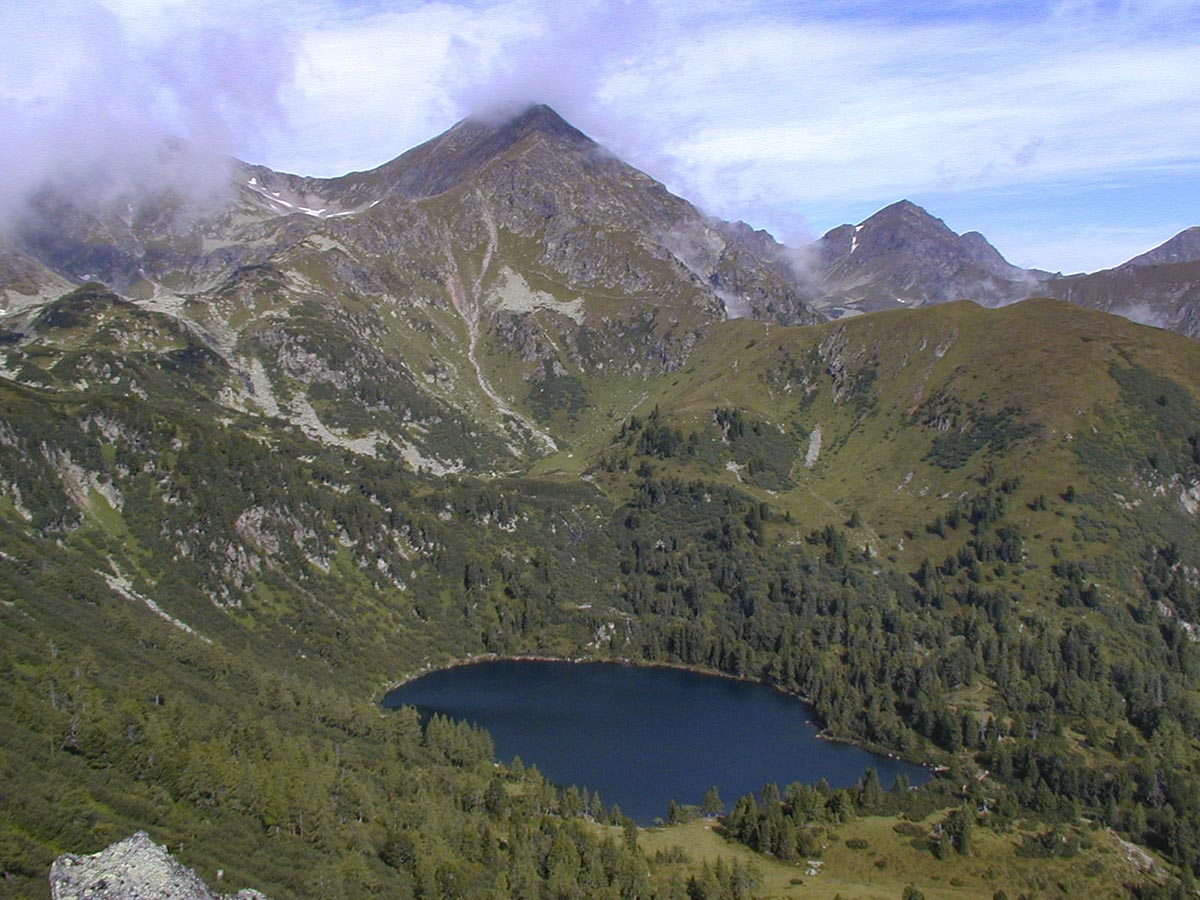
(506, 394)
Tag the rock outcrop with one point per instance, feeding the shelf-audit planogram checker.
(903, 257)
(133, 869)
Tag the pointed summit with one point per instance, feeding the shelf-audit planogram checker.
(903, 256)
(458, 154)
(537, 118)
(904, 208)
(907, 221)
(1184, 247)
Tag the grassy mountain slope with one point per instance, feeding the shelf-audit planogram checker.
(916, 411)
(987, 559)
(1164, 294)
(495, 397)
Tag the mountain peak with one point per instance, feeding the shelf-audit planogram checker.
(904, 210)
(537, 118)
(499, 132)
(903, 256)
(1184, 247)
(903, 224)
(453, 156)
(904, 206)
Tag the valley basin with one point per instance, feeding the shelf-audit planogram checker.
(644, 735)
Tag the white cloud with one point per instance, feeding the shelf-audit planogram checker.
(88, 91)
(369, 87)
(366, 90)
(926, 108)
(1078, 250)
(780, 114)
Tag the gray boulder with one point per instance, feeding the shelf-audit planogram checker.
(133, 869)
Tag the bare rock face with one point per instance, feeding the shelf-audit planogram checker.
(904, 257)
(1161, 287)
(133, 869)
(1183, 248)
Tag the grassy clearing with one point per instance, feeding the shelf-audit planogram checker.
(890, 861)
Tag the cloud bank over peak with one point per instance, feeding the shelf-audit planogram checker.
(1036, 124)
(562, 55)
(96, 97)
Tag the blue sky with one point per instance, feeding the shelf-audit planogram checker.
(1066, 132)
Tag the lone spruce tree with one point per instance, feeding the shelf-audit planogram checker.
(713, 805)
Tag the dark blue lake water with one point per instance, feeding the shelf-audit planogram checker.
(644, 736)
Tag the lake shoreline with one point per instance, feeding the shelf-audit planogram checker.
(822, 734)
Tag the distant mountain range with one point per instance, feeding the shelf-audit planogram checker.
(904, 257)
(263, 453)
(472, 281)
(597, 224)
(1160, 287)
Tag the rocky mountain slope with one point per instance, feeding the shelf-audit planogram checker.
(490, 398)
(904, 257)
(470, 305)
(133, 869)
(465, 281)
(1183, 248)
(1160, 287)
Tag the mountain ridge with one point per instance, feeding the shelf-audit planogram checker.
(462, 302)
(445, 161)
(903, 256)
(1160, 287)
(1183, 247)
(967, 535)
(906, 257)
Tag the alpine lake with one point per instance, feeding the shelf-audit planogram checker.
(643, 736)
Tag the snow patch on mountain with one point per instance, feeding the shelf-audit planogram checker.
(294, 205)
